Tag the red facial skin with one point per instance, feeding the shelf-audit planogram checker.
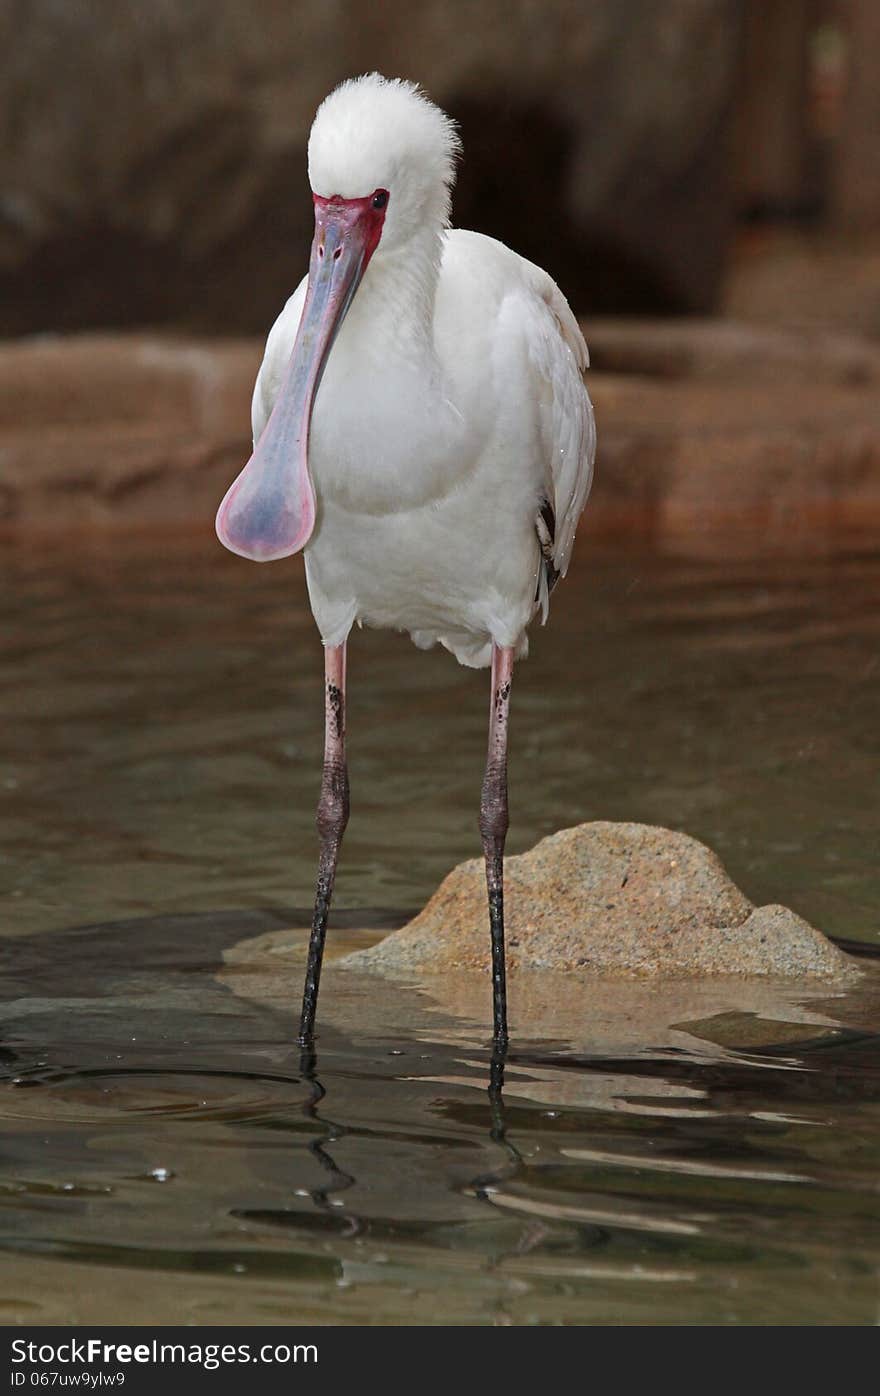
(348, 213)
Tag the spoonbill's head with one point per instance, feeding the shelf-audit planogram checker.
(381, 167)
(379, 136)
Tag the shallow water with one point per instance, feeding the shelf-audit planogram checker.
(697, 1155)
(169, 1155)
(161, 723)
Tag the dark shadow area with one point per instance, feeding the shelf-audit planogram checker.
(644, 252)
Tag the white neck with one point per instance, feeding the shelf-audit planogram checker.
(385, 431)
(392, 314)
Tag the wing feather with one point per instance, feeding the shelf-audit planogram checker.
(558, 356)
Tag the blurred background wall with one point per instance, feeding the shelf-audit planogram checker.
(711, 160)
(152, 152)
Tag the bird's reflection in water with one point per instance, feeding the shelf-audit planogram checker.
(338, 1180)
(533, 1232)
(482, 1186)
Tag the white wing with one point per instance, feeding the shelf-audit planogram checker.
(558, 356)
(279, 347)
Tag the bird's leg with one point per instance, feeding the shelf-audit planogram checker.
(493, 826)
(332, 818)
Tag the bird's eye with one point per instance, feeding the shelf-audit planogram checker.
(380, 198)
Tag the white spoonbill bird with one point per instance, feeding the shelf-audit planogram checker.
(422, 434)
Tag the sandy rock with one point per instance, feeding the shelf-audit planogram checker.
(608, 1014)
(611, 898)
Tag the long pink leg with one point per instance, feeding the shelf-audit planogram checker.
(493, 826)
(333, 807)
